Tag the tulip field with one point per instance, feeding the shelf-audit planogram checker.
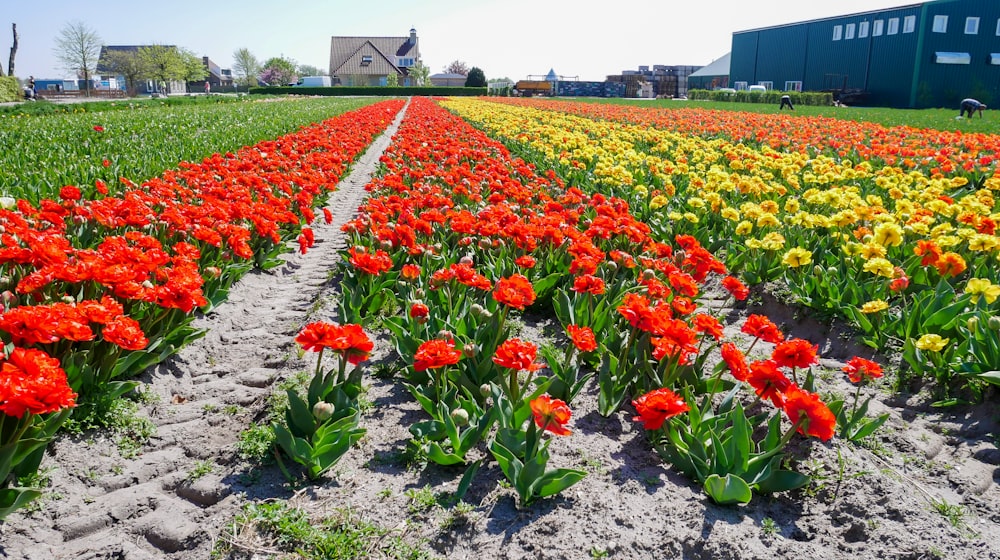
(534, 276)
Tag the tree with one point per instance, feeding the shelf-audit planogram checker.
(126, 64)
(420, 73)
(476, 78)
(457, 67)
(194, 66)
(164, 64)
(310, 70)
(78, 48)
(13, 52)
(392, 80)
(246, 66)
(279, 71)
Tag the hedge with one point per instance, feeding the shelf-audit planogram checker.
(10, 89)
(370, 90)
(770, 96)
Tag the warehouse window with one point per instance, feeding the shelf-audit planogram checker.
(793, 86)
(909, 24)
(740, 86)
(995, 59)
(767, 85)
(952, 58)
(878, 24)
(940, 24)
(972, 26)
(837, 31)
(998, 28)
(849, 31)
(862, 30)
(893, 26)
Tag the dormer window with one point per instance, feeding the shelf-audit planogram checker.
(366, 59)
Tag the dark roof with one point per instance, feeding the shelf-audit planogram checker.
(344, 51)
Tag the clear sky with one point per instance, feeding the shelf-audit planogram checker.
(512, 38)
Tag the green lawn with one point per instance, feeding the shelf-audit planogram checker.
(938, 119)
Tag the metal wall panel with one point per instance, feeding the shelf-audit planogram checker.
(945, 85)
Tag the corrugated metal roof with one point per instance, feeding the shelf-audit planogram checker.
(718, 67)
(865, 13)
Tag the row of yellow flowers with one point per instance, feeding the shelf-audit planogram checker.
(903, 253)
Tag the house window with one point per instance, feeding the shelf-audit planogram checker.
(952, 58)
(405, 62)
(862, 30)
(838, 30)
(767, 85)
(793, 86)
(849, 31)
(893, 26)
(909, 24)
(878, 24)
(972, 26)
(366, 59)
(940, 24)
(740, 86)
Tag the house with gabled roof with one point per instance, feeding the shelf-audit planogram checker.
(108, 75)
(368, 61)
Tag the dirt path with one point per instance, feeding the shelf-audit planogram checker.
(174, 497)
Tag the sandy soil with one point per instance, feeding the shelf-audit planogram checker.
(873, 502)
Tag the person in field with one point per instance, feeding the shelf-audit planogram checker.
(970, 105)
(786, 101)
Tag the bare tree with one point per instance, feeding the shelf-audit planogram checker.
(245, 66)
(457, 67)
(78, 48)
(13, 52)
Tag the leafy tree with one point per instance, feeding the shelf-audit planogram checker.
(457, 67)
(194, 66)
(392, 80)
(246, 66)
(310, 70)
(126, 64)
(420, 73)
(279, 71)
(476, 78)
(78, 48)
(164, 64)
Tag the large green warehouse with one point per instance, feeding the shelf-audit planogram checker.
(932, 54)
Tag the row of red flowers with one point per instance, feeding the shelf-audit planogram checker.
(101, 284)
(462, 233)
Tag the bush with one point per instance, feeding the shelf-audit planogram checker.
(818, 98)
(10, 89)
(371, 90)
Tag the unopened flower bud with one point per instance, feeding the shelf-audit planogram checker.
(832, 270)
(679, 257)
(322, 411)
(485, 244)
(446, 335)
(470, 350)
(387, 245)
(419, 293)
(68, 299)
(485, 389)
(460, 417)
(818, 270)
(147, 284)
(993, 323)
(612, 265)
(213, 271)
(8, 296)
(648, 274)
(972, 324)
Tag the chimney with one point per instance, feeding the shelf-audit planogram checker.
(413, 36)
